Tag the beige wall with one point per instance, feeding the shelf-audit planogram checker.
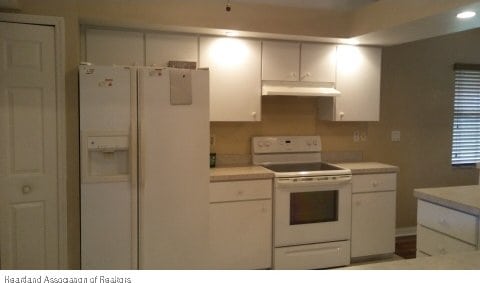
(416, 92)
(417, 99)
(287, 116)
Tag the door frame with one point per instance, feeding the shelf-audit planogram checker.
(59, 31)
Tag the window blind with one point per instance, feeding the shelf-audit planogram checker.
(466, 120)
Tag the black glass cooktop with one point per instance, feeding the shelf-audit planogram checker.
(301, 167)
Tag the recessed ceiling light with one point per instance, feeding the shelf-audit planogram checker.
(466, 15)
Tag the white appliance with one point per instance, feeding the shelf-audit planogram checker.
(145, 167)
(312, 203)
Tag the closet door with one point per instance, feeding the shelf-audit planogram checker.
(29, 218)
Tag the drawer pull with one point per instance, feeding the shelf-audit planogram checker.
(240, 193)
(375, 184)
(442, 251)
(442, 221)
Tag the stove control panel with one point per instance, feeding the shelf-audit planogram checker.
(285, 144)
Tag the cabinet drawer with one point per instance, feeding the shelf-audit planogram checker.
(448, 221)
(374, 182)
(313, 256)
(434, 243)
(240, 190)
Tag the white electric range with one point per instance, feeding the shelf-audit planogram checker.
(312, 203)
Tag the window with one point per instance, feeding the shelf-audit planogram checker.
(466, 117)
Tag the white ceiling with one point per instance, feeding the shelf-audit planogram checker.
(313, 4)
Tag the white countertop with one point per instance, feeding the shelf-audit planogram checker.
(468, 260)
(368, 167)
(463, 198)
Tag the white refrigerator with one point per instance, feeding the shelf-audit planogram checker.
(144, 142)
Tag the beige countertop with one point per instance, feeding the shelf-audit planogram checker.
(239, 173)
(253, 172)
(463, 198)
(368, 167)
(459, 261)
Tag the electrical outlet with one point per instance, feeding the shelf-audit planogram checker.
(212, 140)
(363, 136)
(395, 136)
(356, 136)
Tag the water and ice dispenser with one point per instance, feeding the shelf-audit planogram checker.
(107, 157)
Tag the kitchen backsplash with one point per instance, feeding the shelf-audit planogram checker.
(288, 116)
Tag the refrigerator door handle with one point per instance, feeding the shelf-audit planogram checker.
(141, 144)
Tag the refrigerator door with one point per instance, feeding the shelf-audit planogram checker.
(108, 167)
(174, 173)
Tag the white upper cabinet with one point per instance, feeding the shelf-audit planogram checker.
(235, 86)
(161, 48)
(318, 62)
(358, 80)
(280, 61)
(291, 61)
(113, 47)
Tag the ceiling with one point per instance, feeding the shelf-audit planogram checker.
(345, 5)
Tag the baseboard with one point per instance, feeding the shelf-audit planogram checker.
(406, 231)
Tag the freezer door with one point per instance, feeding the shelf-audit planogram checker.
(174, 172)
(108, 167)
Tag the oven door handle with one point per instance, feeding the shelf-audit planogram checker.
(327, 182)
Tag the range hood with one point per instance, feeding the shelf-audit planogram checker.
(298, 89)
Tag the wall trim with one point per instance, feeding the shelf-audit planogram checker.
(406, 231)
(59, 26)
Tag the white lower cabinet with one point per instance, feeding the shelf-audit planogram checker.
(373, 215)
(241, 224)
(442, 230)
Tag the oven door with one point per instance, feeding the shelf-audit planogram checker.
(312, 209)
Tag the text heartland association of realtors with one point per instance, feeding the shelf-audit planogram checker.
(52, 279)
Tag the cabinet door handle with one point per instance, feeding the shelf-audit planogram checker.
(306, 75)
(26, 189)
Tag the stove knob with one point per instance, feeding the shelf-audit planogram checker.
(260, 144)
(309, 143)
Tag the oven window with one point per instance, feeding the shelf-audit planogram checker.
(313, 207)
